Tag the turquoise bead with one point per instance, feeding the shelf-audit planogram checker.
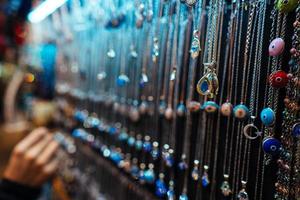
(267, 117)
(241, 112)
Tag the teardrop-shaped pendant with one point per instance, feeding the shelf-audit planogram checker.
(203, 86)
(195, 47)
(225, 187)
(205, 179)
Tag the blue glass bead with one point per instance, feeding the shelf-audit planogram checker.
(204, 86)
(241, 112)
(296, 130)
(210, 106)
(122, 80)
(182, 165)
(112, 130)
(116, 157)
(80, 116)
(123, 136)
(205, 181)
(139, 145)
(171, 194)
(161, 188)
(155, 154)
(169, 161)
(181, 109)
(149, 176)
(271, 145)
(147, 146)
(183, 197)
(79, 133)
(134, 171)
(131, 141)
(267, 117)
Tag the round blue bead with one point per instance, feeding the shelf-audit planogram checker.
(138, 144)
(296, 130)
(183, 197)
(271, 145)
(131, 141)
(149, 176)
(161, 188)
(267, 116)
(123, 136)
(147, 146)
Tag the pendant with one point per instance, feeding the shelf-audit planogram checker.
(123, 136)
(122, 80)
(134, 171)
(127, 163)
(155, 151)
(205, 179)
(195, 171)
(241, 112)
(162, 107)
(111, 53)
(194, 106)
(183, 197)
(183, 165)
(195, 47)
(243, 195)
(171, 192)
(133, 52)
(147, 146)
(101, 76)
(161, 188)
(149, 174)
(276, 47)
(271, 145)
(296, 130)
(210, 107)
(142, 173)
(138, 143)
(144, 80)
(131, 141)
(208, 85)
(169, 113)
(155, 50)
(226, 109)
(134, 114)
(267, 117)
(279, 79)
(225, 187)
(247, 130)
(143, 108)
(286, 6)
(181, 110)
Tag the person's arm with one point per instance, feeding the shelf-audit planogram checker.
(32, 163)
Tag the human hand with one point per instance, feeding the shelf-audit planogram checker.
(33, 160)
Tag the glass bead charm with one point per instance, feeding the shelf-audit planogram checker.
(161, 188)
(143, 108)
(241, 112)
(144, 80)
(278, 79)
(122, 80)
(183, 197)
(210, 107)
(171, 192)
(208, 85)
(162, 107)
(191, 2)
(226, 109)
(296, 130)
(243, 195)
(134, 114)
(195, 172)
(111, 53)
(131, 141)
(181, 110)
(267, 117)
(225, 187)
(276, 47)
(195, 47)
(194, 106)
(123, 136)
(271, 145)
(149, 175)
(205, 180)
(286, 6)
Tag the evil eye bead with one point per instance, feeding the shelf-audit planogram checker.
(241, 112)
(286, 6)
(143, 107)
(296, 130)
(267, 117)
(162, 107)
(123, 136)
(149, 176)
(131, 141)
(210, 107)
(139, 145)
(276, 47)
(271, 145)
(278, 79)
(194, 106)
(226, 109)
(169, 113)
(134, 114)
(122, 80)
(183, 197)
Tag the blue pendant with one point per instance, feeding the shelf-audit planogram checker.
(182, 165)
(210, 107)
(112, 130)
(161, 188)
(79, 133)
(271, 145)
(149, 176)
(169, 160)
(296, 130)
(122, 80)
(171, 194)
(139, 145)
(267, 117)
(131, 141)
(203, 86)
(205, 181)
(241, 112)
(147, 146)
(162, 107)
(134, 171)
(181, 110)
(144, 80)
(123, 136)
(80, 115)
(183, 197)
(116, 157)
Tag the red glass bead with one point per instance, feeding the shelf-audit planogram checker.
(279, 79)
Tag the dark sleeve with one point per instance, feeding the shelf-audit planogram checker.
(14, 191)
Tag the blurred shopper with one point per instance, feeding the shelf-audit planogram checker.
(32, 163)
